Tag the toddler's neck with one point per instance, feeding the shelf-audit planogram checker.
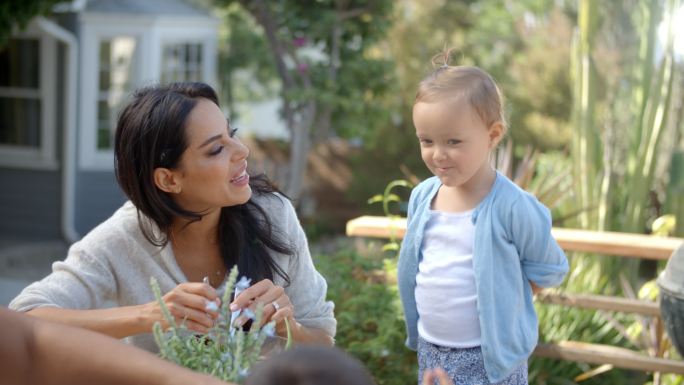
(464, 197)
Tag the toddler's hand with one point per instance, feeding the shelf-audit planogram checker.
(436, 374)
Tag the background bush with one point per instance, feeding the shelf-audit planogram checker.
(370, 323)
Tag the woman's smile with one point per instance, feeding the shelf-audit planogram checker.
(242, 179)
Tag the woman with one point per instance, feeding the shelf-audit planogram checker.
(193, 213)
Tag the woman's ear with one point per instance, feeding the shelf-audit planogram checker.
(166, 180)
(496, 132)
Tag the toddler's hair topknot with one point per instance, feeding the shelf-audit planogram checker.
(447, 82)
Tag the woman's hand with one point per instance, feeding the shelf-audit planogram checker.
(278, 308)
(438, 374)
(189, 302)
(276, 304)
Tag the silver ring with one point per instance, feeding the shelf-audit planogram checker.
(275, 305)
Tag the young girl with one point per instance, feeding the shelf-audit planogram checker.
(477, 246)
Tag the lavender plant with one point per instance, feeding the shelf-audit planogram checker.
(226, 351)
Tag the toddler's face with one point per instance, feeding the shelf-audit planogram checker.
(454, 142)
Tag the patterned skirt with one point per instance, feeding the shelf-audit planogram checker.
(465, 366)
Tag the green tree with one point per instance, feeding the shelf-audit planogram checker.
(320, 52)
(623, 102)
(528, 60)
(17, 13)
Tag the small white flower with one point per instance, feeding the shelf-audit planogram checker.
(269, 329)
(242, 373)
(242, 284)
(211, 306)
(249, 313)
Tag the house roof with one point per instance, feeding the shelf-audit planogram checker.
(146, 7)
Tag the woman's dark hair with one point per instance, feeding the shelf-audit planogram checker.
(151, 133)
(310, 365)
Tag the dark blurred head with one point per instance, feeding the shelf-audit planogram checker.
(310, 365)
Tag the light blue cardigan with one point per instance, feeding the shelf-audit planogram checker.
(513, 244)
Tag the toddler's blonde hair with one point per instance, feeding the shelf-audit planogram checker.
(471, 83)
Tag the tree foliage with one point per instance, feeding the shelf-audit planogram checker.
(320, 54)
(524, 45)
(17, 13)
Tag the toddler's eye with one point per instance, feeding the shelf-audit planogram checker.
(232, 132)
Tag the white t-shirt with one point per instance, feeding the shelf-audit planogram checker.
(446, 296)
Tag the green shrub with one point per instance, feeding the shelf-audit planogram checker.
(559, 323)
(226, 351)
(370, 323)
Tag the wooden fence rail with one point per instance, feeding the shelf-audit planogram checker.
(604, 243)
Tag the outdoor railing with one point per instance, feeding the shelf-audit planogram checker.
(607, 243)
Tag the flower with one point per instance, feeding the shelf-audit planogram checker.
(302, 68)
(249, 313)
(243, 372)
(299, 41)
(211, 306)
(225, 351)
(269, 329)
(242, 284)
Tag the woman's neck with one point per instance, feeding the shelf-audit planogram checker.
(197, 250)
(205, 230)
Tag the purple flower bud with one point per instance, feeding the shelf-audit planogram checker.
(299, 41)
(302, 68)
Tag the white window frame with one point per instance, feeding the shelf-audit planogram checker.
(43, 157)
(203, 32)
(94, 32)
(106, 95)
(151, 34)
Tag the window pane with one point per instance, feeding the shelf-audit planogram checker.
(116, 80)
(105, 127)
(104, 137)
(181, 62)
(20, 122)
(20, 64)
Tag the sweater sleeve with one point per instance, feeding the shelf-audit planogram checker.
(543, 261)
(308, 288)
(82, 281)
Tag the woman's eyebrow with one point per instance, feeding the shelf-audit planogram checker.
(213, 138)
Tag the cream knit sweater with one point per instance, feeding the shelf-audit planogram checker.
(114, 262)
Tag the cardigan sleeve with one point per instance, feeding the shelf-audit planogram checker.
(82, 281)
(543, 261)
(307, 289)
